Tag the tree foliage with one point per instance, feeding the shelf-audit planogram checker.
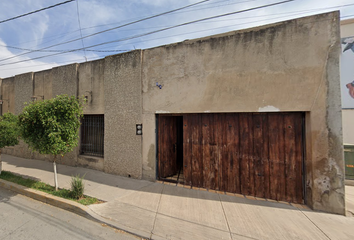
(9, 130)
(52, 126)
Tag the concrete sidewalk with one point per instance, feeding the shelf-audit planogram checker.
(161, 211)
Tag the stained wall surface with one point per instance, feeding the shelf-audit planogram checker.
(288, 66)
(122, 84)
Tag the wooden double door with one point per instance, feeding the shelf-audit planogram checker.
(257, 154)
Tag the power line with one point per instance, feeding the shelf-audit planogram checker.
(98, 57)
(39, 50)
(70, 50)
(78, 19)
(156, 31)
(110, 29)
(36, 11)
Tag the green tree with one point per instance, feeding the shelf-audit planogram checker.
(9, 132)
(52, 126)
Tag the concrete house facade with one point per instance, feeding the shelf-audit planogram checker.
(256, 111)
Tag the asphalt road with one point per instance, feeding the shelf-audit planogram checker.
(25, 218)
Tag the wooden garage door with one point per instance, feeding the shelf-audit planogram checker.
(258, 154)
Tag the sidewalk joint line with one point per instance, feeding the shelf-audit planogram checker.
(314, 223)
(227, 222)
(157, 210)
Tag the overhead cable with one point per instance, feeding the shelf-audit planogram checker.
(110, 29)
(156, 31)
(78, 19)
(36, 11)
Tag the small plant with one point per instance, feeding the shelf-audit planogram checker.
(77, 187)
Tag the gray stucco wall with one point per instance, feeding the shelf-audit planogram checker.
(287, 66)
(8, 94)
(43, 82)
(91, 85)
(65, 80)
(23, 85)
(122, 147)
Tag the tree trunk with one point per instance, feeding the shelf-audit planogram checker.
(55, 174)
(0, 162)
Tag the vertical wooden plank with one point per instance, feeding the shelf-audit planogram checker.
(187, 153)
(214, 158)
(232, 139)
(172, 166)
(246, 150)
(258, 142)
(197, 166)
(290, 155)
(250, 157)
(207, 173)
(273, 154)
(223, 154)
(276, 155)
(265, 156)
(161, 144)
(282, 173)
(299, 145)
(200, 151)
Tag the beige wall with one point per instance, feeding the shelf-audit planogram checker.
(288, 66)
(348, 129)
(280, 67)
(8, 95)
(347, 28)
(43, 82)
(91, 85)
(122, 147)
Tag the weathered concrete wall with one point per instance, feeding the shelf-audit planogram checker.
(65, 79)
(7, 92)
(43, 87)
(288, 66)
(23, 92)
(122, 87)
(91, 85)
(8, 95)
(43, 82)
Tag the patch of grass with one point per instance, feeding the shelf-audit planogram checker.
(30, 183)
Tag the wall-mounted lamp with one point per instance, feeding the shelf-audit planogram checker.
(139, 129)
(34, 98)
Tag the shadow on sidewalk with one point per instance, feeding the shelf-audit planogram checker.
(120, 182)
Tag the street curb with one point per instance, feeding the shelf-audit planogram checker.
(71, 206)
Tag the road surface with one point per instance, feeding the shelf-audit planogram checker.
(25, 218)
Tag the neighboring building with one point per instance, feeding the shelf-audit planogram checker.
(347, 89)
(256, 112)
(347, 77)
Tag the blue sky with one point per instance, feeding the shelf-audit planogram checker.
(60, 24)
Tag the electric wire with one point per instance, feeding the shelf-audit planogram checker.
(156, 31)
(78, 19)
(39, 10)
(124, 25)
(98, 57)
(39, 50)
